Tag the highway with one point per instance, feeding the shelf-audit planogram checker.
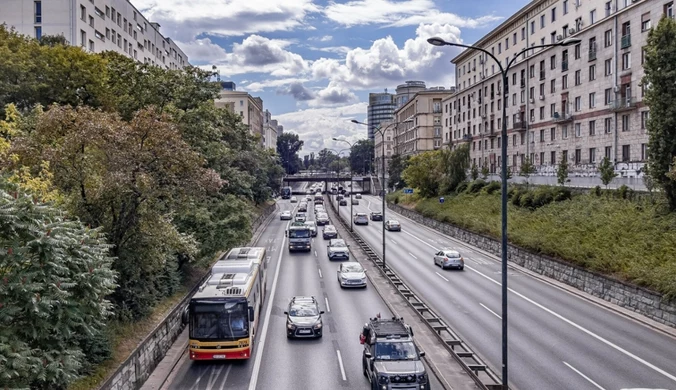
(332, 362)
(557, 340)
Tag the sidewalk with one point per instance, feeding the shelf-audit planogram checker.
(161, 373)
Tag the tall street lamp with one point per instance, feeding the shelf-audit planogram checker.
(337, 176)
(351, 183)
(381, 131)
(436, 41)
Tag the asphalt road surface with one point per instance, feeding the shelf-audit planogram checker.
(557, 340)
(332, 362)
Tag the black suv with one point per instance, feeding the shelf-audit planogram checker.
(376, 216)
(391, 359)
(303, 318)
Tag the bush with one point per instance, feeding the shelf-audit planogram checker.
(492, 187)
(476, 186)
(526, 200)
(462, 187)
(543, 196)
(562, 194)
(597, 191)
(624, 192)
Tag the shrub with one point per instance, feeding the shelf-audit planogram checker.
(476, 186)
(562, 194)
(597, 191)
(462, 187)
(543, 196)
(624, 192)
(526, 200)
(492, 187)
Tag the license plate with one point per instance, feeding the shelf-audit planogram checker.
(304, 331)
(219, 356)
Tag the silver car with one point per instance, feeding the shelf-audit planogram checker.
(322, 219)
(351, 274)
(313, 227)
(338, 249)
(285, 215)
(448, 258)
(361, 219)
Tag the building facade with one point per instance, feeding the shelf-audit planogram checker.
(248, 107)
(576, 104)
(419, 121)
(384, 139)
(96, 26)
(406, 91)
(270, 131)
(380, 108)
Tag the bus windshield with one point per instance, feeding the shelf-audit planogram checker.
(299, 233)
(286, 192)
(219, 320)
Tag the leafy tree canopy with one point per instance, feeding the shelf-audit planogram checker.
(361, 157)
(423, 173)
(288, 146)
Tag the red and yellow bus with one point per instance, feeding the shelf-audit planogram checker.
(223, 314)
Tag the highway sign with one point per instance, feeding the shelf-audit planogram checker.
(408, 190)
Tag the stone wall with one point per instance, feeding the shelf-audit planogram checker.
(134, 371)
(637, 299)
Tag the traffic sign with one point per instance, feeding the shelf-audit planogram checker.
(408, 190)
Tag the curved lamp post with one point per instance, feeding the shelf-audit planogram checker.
(436, 41)
(337, 176)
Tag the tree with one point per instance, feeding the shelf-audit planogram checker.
(474, 173)
(484, 172)
(659, 79)
(509, 172)
(288, 145)
(562, 172)
(454, 165)
(423, 172)
(397, 166)
(361, 156)
(56, 274)
(607, 171)
(325, 157)
(527, 169)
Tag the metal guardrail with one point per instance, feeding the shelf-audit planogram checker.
(479, 371)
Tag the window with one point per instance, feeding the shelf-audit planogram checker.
(644, 118)
(578, 156)
(552, 109)
(592, 16)
(626, 35)
(514, 39)
(532, 27)
(608, 67)
(669, 9)
(552, 37)
(91, 20)
(107, 11)
(592, 128)
(542, 135)
(542, 113)
(542, 21)
(523, 33)
(607, 8)
(608, 125)
(643, 53)
(134, 15)
(592, 155)
(107, 33)
(552, 134)
(552, 62)
(608, 96)
(564, 132)
(91, 45)
(499, 48)
(552, 86)
(625, 123)
(83, 14)
(626, 153)
(565, 7)
(592, 48)
(99, 13)
(578, 77)
(592, 100)
(626, 60)
(554, 14)
(578, 103)
(608, 38)
(552, 157)
(607, 152)
(592, 72)
(578, 130)
(644, 152)
(577, 51)
(564, 82)
(645, 22)
(38, 32)
(83, 38)
(38, 13)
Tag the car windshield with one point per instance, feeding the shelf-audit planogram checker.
(396, 350)
(395, 223)
(352, 268)
(220, 321)
(303, 311)
(299, 233)
(329, 229)
(375, 213)
(453, 255)
(310, 224)
(338, 243)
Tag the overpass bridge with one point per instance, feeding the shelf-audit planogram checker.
(365, 182)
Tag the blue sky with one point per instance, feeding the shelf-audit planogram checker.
(314, 62)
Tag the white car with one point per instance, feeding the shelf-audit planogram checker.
(351, 274)
(285, 215)
(294, 199)
(338, 249)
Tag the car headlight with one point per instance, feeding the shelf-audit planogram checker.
(382, 379)
(290, 326)
(318, 325)
(422, 378)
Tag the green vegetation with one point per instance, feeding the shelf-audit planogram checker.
(607, 171)
(610, 233)
(113, 170)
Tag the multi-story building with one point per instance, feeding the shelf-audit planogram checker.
(386, 136)
(380, 108)
(420, 122)
(96, 26)
(406, 91)
(565, 103)
(248, 107)
(269, 130)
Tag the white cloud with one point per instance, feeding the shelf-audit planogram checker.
(324, 38)
(202, 50)
(333, 95)
(258, 54)
(183, 20)
(256, 86)
(317, 126)
(333, 49)
(396, 13)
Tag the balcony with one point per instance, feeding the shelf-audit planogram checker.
(564, 65)
(626, 41)
(623, 104)
(467, 138)
(520, 125)
(562, 118)
(492, 133)
(592, 54)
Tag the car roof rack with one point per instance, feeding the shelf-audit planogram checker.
(390, 328)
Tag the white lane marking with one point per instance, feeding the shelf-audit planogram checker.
(315, 252)
(584, 376)
(441, 276)
(566, 320)
(491, 311)
(225, 378)
(412, 255)
(431, 239)
(212, 377)
(320, 272)
(394, 242)
(199, 378)
(259, 352)
(340, 363)
(328, 308)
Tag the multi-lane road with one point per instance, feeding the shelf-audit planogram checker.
(332, 362)
(557, 340)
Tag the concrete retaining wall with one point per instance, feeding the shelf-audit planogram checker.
(637, 299)
(140, 364)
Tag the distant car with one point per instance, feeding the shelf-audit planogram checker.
(448, 258)
(343, 202)
(285, 215)
(322, 219)
(313, 227)
(376, 216)
(338, 249)
(393, 225)
(361, 219)
(302, 206)
(329, 231)
(339, 197)
(300, 217)
(308, 198)
(351, 274)
(319, 208)
(358, 196)
(303, 318)
(294, 199)
(355, 201)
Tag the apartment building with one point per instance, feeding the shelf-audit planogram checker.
(269, 131)
(96, 26)
(248, 107)
(380, 108)
(573, 103)
(385, 138)
(419, 121)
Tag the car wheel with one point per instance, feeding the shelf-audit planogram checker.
(462, 268)
(363, 367)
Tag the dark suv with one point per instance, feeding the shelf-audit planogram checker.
(303, 318)
(391, 359)
(376, 216)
